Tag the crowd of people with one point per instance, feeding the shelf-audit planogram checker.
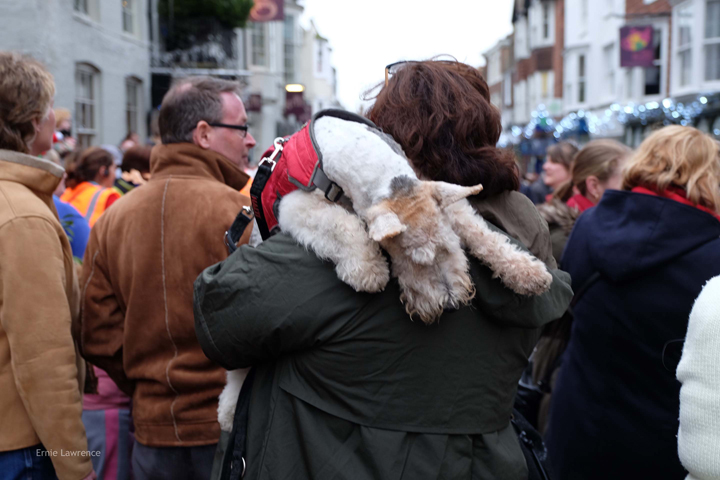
(122, 308)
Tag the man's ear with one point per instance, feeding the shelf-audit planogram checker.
(201, 134)
(383, 223)
(448, 193)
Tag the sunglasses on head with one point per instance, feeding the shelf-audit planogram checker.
(393, 68)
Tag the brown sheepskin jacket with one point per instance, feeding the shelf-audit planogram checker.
(137, 320)
(40, 372)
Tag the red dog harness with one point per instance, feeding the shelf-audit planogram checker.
(293, 163)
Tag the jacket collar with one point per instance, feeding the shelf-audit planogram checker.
(33, 172)
(187, 159)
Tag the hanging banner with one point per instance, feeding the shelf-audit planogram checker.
(636, 46)
(267, 11)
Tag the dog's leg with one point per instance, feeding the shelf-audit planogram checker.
(518, 270)
(229, 397)
(337, 235)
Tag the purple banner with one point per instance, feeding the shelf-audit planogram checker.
(636, 46)
(267, 11)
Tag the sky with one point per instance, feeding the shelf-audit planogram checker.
(369, 34)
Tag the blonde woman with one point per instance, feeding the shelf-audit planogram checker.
(638, 260)
(41, 433)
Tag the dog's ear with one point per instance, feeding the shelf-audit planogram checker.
(383, 223)
(448, 193)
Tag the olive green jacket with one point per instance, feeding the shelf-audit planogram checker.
(348, 387)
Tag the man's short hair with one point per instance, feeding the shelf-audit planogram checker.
(137, 158)
(189, 101)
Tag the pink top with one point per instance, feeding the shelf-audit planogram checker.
(109, 396)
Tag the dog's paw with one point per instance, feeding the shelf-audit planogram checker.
(370, 275)
(532, 278)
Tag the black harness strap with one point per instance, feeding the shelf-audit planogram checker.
(261, 178)
(237, 229)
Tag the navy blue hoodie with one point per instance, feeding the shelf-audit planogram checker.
(615, 407)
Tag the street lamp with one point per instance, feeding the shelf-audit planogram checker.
(294, 88)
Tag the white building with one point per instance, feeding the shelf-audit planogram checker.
(319, 76)
(271, 52)
(98, 52)
(536, 41)
(593, 77)
(695, 47)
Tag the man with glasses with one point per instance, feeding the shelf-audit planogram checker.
(141, 261)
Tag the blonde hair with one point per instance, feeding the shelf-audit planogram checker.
(26, 92)
(599, 158)
(680, 156)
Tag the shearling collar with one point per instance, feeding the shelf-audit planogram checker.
(189, 160)
(33, 172)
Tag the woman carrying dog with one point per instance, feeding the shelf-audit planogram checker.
(638, 260)
(346, 385)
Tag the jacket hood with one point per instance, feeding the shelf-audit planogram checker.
(33, 172)
(187, 159)
(633, 233)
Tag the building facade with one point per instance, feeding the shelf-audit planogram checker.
(99, 53)
(538, 43)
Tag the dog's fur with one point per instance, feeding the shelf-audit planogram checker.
(423, 225)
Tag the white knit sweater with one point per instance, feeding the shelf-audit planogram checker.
(699, 373)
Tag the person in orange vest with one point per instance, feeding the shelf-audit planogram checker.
(89, 182)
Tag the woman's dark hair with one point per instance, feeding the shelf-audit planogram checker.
(137, 158)
(84, 165)
(440, 113)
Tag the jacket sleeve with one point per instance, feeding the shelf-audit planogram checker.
(243, 319)
(36, 317)
(101, 321)
(699, 373)
(507, 307)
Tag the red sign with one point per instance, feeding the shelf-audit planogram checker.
(636, 46)
(267, 11)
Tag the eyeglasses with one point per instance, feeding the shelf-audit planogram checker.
(242, 128)
(393, 68)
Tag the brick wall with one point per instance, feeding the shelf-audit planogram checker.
(637, 7)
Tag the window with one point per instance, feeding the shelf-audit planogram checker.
(629, 90)
(648, 2)
(581, 79)
(544, 85)
(132, 104)
(653, 74)
(289, 51)
(546, 20)
(257, 42)
(685, 20)
(584, 14)
(128, 17)
(81, 6)
(712, 40)
(609, 60)
(86, 94)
